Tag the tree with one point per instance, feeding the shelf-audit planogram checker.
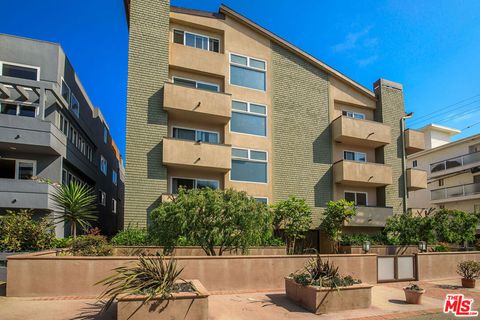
(77, 205)
(409, 228)
(336, 215)
(455, 226)
(294, 217)
(229, 220)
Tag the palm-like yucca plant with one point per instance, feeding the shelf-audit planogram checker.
(152, 276)
(77, 204)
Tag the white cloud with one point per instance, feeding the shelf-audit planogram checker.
(354, 40)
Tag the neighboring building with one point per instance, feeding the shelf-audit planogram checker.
(215, 100)
(453, 170)
(49, 129)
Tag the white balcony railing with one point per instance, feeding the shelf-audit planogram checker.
(456, 191)
(460, 161)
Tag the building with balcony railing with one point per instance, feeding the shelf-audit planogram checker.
(50, 131)
(452, 169)
(215, 100)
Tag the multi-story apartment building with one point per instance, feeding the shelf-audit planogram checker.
(50, 129)
(453, 170)
(215, 100)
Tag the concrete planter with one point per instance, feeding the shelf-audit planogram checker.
(468, 283)
(324, 300)
(413, 296)
(184, 305)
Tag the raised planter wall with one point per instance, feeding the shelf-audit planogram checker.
(197, 251)
(381, 250)
(442, 265)
(44, 275)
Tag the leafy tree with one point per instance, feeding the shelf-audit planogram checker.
(19, 232)
(455, 226)
(336, 215)
(294, 217)
(208, 218)
(409, 228)
(77, 205)
(131, 236)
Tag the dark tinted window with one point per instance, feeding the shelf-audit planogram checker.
(178, 36)
(361, 199)
(27, 111)
(185, 183)
(185, 82)
(350, 196)
(7, 169)
(7, 108)
(19, 72)
(214, 45)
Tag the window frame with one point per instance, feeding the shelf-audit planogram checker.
(115, 181)
(17, 166)
(414, 163)
(266, 198)
(195, 130)
(355, 192)
(2, 62)
(18, 105)
(353, 114)
(252, 160)
(250, 113)
(103, 198)
(246, 67)
(114, 205)
(69, 90)
(70, 106)
(105, 135)
(195, 34)
(170, 188)
(196, 83)
(355, 156)
(103, 160)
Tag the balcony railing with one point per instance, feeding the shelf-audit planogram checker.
(456, 191)
(457, 162)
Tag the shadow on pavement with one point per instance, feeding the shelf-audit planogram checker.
(281, 300)
(92, 312)
(396, 301)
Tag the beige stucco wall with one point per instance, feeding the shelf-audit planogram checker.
(433, 265)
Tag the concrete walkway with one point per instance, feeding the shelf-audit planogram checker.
(387, 303)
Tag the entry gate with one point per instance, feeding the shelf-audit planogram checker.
(396, 268)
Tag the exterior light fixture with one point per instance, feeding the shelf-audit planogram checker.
(366, 246)
(422, 246)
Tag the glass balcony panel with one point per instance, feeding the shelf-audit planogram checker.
(452, 163)
(455, 192)
(438, 194)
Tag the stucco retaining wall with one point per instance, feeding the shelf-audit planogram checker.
(442, 265)
(43, 275)
(196, 251)
(381, 250)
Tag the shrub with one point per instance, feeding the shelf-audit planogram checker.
(409, 229)
(151, 276)
(19, 232)
(294, 217)
(62, 242)
(469, 269)
(323, 274)
(336, 215)
(413, 287)
(357, 239)
(131, 237)
(91, 245)
(455, 226)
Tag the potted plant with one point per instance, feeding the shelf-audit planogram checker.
(469, 271)
(413, 294)
(319, 288)
(152, 289)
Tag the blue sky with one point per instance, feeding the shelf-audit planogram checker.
(431, 47)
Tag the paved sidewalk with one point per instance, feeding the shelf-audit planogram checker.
(387, 303)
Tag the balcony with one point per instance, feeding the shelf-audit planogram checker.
(189, 103)
(361, 132)
(208, 62)
(18, 194)
(416, 179)
(365, 174)
(464, 162)
(371, 216)
(197, 155)
(414, 141)
(456, 193)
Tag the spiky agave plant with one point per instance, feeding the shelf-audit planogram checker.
(152, 276)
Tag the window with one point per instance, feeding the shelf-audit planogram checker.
(20, 71)
(441, 182)
(442, 206)
(415, 163)
(247, 72)
(105, 135)
(65, 91)
(193, 184)
(195, 135)
(355, 156)
(103, 165)
(18, 110)
(249, 165)
(355, 115)
(359, 198)
(249, 118)
(64, 176)
(102, 198)
(476, 208)
(75, 106)
(261, 200)
(114, 177)
(196, 84)
(476, 179)
(114, 206)
(17, 169)
(196, 40)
